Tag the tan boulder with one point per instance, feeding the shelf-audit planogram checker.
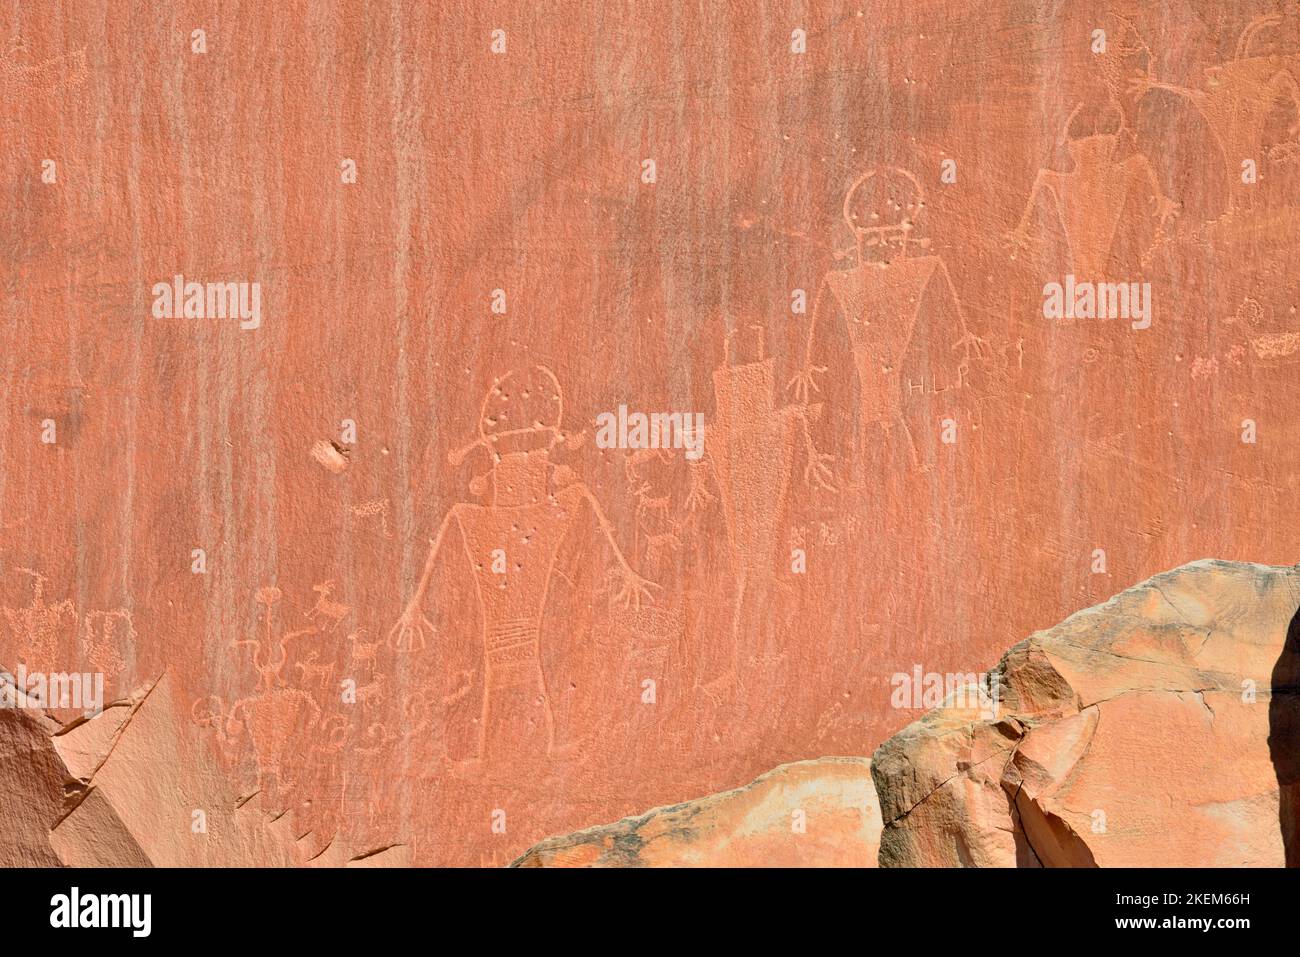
(31, 787)
(1156, 729)
(811, 813)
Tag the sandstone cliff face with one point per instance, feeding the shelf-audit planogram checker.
(844, 245)
(811, 813)
(1160, 728)
(136, 786)
(1157, 729)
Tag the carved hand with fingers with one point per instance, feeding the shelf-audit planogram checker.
(804, 383)
(633, 589)
(411, 630)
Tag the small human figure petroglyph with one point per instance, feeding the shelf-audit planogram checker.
(39, 625)
(103, 645)
(275, 714)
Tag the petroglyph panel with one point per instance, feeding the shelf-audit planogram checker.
(308, 332)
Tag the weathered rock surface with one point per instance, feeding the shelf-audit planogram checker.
(811, 813)
(1157, 729)
(125, 788)
(1161, 728)
(854, 213)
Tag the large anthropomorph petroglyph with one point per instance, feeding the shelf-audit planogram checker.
(1252, 101)
(511, 546)
(905, 324)
(751, 454)
(1087, 201)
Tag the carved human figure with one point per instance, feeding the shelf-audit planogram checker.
(1239, 98)
(510, 547)
(103, 645)
(40, 625)
(750, 453)
(905, 324)
(276, 713)
(1089, 199)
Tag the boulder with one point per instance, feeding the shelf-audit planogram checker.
(1156, 729)
(819, 813)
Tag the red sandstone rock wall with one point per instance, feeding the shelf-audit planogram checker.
(464, 258)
